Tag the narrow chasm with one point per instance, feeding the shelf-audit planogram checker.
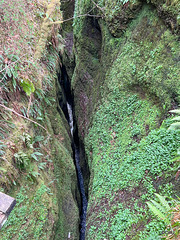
(67, 105)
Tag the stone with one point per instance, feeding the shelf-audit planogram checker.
(7, 204)
(3, 219)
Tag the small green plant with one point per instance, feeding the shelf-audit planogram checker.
(168, 213)
(176, 125)
(27, 139)
(22, 160)
(35, 155)
(160, 208)
(27, 86)
(30, 217)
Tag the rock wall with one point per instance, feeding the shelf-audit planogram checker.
(126, 78)
(37, 167)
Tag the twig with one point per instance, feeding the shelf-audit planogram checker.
(20, 115)
(83, 15)
(29, 105)
(13, 62)
(98, 6)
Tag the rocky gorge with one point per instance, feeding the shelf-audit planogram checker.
(85, 117)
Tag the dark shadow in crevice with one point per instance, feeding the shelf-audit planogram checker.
(66, 103)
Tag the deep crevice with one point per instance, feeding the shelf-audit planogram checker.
(66, 103)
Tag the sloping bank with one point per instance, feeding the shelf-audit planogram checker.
(36, 157)
(126, 78)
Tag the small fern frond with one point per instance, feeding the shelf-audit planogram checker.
(176, 125)
(176, 118)
(159, 206)
(163, 202)
(22, 159)
(27, 140)
(175, 111)
(157, 212)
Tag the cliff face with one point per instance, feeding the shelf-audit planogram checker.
(36, 165)
(126, 78)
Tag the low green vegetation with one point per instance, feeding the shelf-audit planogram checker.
(147, 60)
(129, 161)
(129, 146)
(30, 217)
(167, 211)
(35, 148)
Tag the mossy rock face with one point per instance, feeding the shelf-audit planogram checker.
(45, 184)
(68, 58)
(119, 14)
(67, 186)
(86, 79)
(119, 108)
(144, 59)
(68, 215)
(148, 60)
(129, 160)
(169, 11)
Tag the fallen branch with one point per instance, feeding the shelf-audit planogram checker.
(20, 115)
(98, 6)
(12, 63)
(83, 15)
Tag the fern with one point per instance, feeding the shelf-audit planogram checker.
(175, 125)
(22, 160)
(160, 208)
(35, 155)
(42, 165)
(163, 202)
(27, 139)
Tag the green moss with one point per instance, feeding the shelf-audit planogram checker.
(148, 60)
(125, 165)
(126, 155)
(29, 218)
(66, 180)
(67, 188)
(137, 77)
(144, 59)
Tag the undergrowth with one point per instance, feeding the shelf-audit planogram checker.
(131, 161)
(129, 150)
(26, 163)
(21, 223)
(145, 62)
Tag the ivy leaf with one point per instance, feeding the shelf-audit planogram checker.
(27, 86)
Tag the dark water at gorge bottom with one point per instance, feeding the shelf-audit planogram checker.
(67, 107)
(84, 202)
